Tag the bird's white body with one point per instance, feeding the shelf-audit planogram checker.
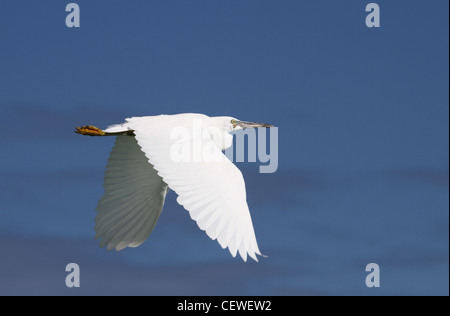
(141, 169)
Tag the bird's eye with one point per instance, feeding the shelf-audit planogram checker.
(233, 121)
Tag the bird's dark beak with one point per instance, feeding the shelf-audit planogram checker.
(252, 125)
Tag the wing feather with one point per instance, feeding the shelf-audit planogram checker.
(133, 200)
(213, 192)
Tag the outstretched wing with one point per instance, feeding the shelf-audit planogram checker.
(133, 200)
(213, 192)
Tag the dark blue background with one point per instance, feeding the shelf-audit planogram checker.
(363, 121)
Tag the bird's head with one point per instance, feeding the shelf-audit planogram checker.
(231, 124)
(237, 124)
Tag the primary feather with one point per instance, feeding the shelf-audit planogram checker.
(140, 170)
(133, 200)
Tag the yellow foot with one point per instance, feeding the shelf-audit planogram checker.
(89, 130)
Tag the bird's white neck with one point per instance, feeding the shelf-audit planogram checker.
(221, 138)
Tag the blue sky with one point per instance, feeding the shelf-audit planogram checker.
(363, 141)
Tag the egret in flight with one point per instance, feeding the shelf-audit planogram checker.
(147, 161)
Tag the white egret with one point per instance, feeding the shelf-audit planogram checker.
(141, 169)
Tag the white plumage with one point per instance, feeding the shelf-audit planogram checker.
(133, 200)
(142, 168)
